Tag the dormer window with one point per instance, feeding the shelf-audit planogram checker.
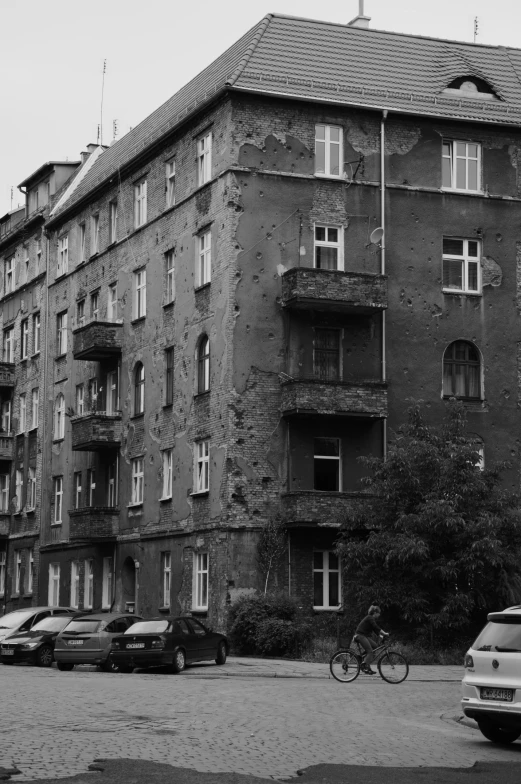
(470, 87)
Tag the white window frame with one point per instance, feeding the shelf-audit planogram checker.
(5, 482)
(7, 411)
(9, 275)
(326, 572)
(111, 392)
(17, 572)
(59, 417)
(138, 480)
(8, 345)
(35, 407)
(94, 305)
(202, 466)
(30, 570)
(337, 458)
(53, 594)
(78, 489)
(166, 559)
(80, 313)
(170, 276)
(453, 158)
(61, 333)
(328, 145)
(168, 455)
(112, 302)
(140, 203)
(19, 483)
(31, 488)
(75, 584)
(95, 224)
(203, 273)
(327, 243)
(170, 183)
(113, 221)
(83, 242)
(200, 587)
(36, 333)
(204, 158)
(140, 293)
(22, 419)
(91, 486)
(3, 561)
(58, 500)
(465, 260)
(112, 483)
(26, 264)
(24, 343)
(88, 584)
(80, 399)
(107, 582)
(63, 255)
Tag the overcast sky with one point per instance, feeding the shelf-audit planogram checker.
(52, 53)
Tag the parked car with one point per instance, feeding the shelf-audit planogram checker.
(87, 639)
(491, 685)
(35, 646)
(23, 620)
(173, 642)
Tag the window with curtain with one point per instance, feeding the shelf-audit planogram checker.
(139, 389)
(203, 365)
(462, 371)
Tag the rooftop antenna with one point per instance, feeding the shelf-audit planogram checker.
(12, 196)
(115, 130)
(361, 20)
(476, 28)
(102, 90)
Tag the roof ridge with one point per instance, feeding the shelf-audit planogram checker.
(263, 26)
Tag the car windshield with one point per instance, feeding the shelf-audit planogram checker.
(84, 626)
(14, 619)
(148, 627)
(55, 623)
(503, 634)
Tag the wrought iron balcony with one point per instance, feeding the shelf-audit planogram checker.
(6, 446)
(93, 523)
(97, 340)
(96, 430)
(310, 397)
(306, 288)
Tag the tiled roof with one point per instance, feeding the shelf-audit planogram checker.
(328, 62)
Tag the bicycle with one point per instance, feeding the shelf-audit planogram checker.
(345, 664)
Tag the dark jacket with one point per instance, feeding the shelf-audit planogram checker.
(368, 626)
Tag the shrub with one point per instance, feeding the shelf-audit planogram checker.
(276, 637)
(249, 613)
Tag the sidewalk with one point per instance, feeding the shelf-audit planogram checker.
(246, 667)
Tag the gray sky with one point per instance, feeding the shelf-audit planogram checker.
(52, 52)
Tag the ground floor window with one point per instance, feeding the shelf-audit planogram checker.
(54, 585)
(75, 584)
(2, 573)
(326, 580)
(166, 567)
(106, 595)
(88, 587)
(200, 596)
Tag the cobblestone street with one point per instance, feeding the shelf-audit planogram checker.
(55, 724)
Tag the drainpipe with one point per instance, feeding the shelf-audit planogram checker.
(289, 562)
(136, 592)
(382, 258)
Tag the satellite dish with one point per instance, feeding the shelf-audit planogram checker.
(376, 236)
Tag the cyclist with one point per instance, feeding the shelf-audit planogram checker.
(367, 634)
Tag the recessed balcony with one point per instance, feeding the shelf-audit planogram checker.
(315, 508)
(306, 288)
(97, 340)
(5, 518)
(93, 523)
(334, 398)
(95, 431)
(6, 446)
(6, 374)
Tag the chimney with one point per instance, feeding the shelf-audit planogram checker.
(361, 20)
(88, 152)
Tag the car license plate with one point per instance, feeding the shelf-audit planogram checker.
(135, 645)
(500, 695)
(74, 642)
(8, 652)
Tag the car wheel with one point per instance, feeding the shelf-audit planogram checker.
(498, 734)
(44, 656)
(221, 653)
(64, 666)
(126, 668)
(109, 665)
(179, 662)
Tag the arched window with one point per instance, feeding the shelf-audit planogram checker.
(59, 417)
(203, 365)
(139, 388)
(462, 371)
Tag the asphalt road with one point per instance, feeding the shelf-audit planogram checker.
(205, 727)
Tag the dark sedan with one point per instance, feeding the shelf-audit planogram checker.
(170, 642)
(35, 646)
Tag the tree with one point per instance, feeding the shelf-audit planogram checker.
(271, 547)
(438, 541)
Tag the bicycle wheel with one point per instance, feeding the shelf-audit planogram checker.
(393, 667)
(344, 666)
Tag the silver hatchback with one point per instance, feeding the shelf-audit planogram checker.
(87, 640)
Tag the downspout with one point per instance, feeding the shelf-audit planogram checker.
(289, 562)
(382, 260)
(44, 505)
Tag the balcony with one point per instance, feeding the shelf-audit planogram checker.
(306, 288)
(5, 517)
(6, 374)
(315, 508)
(97, 340)
(6, 446)
(334, 398)
(93, 523)
(96, 430)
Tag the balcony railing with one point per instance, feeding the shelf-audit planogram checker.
(314, 508)
(6, 374)
(96, 430)
(5, 519)
(306, 288)
(93, 523)
(311, 397)
(97, 340)
(6, 446)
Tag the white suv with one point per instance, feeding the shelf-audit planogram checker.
(491, 685)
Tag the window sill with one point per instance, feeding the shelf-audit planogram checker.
(23, 360)
(168, 405)
(137, 416)
(168, 305)
(461, 293)
(165, 499)
(58, 440)
(328, 609)
(338, 177)
(164, 609)
(138, 320)
(60, 356)
(30, 510)
(135, 506)
(200, 612)
(462, 190)
(202, 286)
(36, 354)
(202, 394)
(93, 255)
(200, 493)
(32, 429)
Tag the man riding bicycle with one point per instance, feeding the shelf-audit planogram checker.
(367, 634)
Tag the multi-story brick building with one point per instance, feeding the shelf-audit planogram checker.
(244, 291)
